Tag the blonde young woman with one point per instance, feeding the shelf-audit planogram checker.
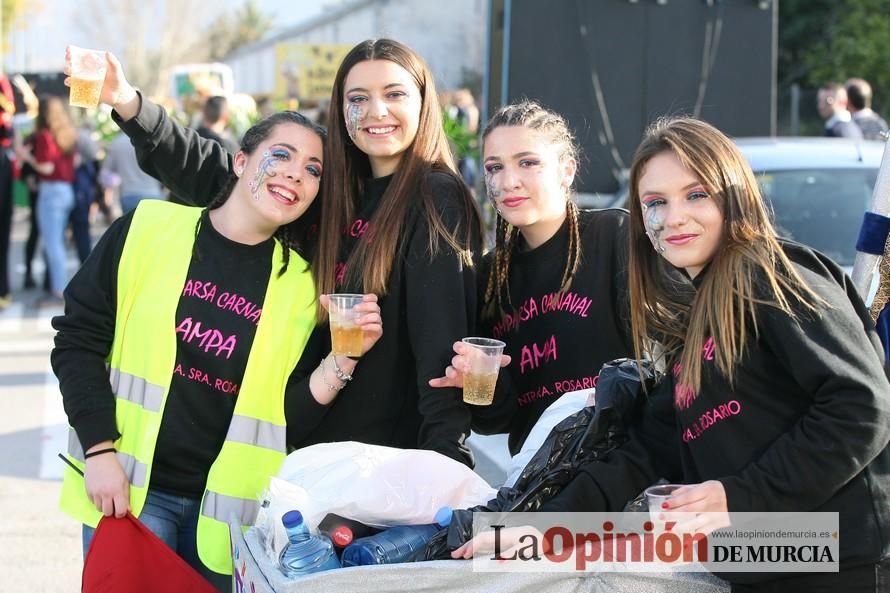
(776, 397)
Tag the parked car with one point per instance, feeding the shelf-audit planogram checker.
(818, 188)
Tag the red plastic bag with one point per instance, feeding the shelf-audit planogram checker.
(125, 557)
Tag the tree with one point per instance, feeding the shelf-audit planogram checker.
(803, 24)
(12, 13)
(227, 33)
(152, 36)
(832, 40)
(858, 44)
(149, 36)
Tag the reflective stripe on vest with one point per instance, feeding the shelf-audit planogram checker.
(133, 468)
(252, 431)
(153, 267)
(136, 390)
(220, 507)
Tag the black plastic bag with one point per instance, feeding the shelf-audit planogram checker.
(588, 435)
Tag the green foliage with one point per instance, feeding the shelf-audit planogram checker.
(13, 13)
(229, 32)
(463, 142)
(103, 125)
(858, 44)
(832, 40)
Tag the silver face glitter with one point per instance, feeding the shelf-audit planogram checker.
(654, 225)
(354, 114)
(266, 168)
(491, 189)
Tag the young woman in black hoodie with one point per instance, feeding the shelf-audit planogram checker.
(395, 220)
(777, 396)
(554, 288)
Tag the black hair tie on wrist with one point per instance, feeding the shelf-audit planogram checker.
(355, 358)
(99, 452)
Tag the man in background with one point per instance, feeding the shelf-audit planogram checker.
(214, 118)
(832, 105)
(121, 170)
(859, 97)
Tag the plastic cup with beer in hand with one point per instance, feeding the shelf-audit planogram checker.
(346, 334)
(87, 71)
(481, 372)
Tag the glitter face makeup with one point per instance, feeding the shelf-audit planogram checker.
(527, 180)
(354, 115)
(681, 219)
(491, 189)
(266, 168)
(654, 224)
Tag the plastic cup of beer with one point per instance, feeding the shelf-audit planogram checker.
(346, 335)
(87, 76)
(484, 366)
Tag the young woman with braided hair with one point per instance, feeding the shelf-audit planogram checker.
(554, 287)
(201, 316)
(776, 398)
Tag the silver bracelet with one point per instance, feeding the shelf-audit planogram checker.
(345, 377)
(322, 368)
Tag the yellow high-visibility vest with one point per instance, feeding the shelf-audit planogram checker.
(151, 275)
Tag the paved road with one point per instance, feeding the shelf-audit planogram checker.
(41, 546)
(42, 550)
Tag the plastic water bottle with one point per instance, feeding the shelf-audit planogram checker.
(395, 544)
(304, 553)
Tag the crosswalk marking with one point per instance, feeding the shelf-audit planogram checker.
(45, 317)
(54, 436)
(11, 319)
(34, 346)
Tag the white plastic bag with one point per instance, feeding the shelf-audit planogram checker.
(378, 486)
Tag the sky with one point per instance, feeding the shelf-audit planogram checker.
(41, 45)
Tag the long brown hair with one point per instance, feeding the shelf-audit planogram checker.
(748, 269)
(348, 168)
(555, 130)
(53, 116)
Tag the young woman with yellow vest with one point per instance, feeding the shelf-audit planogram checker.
(177, 350)
(396, 220)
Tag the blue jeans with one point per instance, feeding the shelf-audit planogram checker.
(54, 203)
(130, 201)
(174, 519)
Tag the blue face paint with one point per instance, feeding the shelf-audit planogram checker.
(266, 168)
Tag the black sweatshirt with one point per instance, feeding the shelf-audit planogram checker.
(558, 343)
(804, 428)
(430, 303)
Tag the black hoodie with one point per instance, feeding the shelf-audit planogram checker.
(430, 303)
(804, 427)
